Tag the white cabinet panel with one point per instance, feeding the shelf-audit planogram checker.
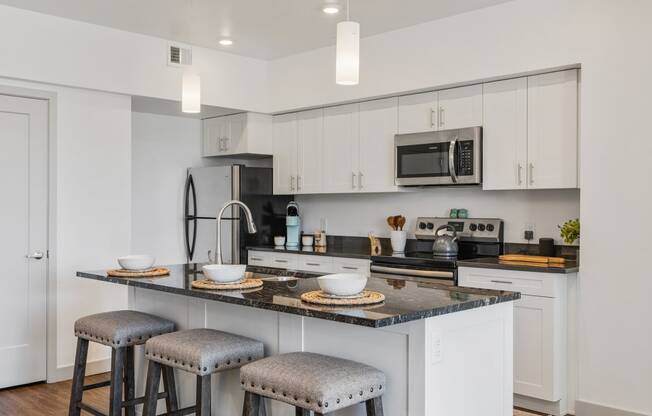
(552, 130)
(237, 134)
(417, 113)
(341, 148)
(529, 283)
(534, 348)
(504, 134)
(284, 152)
(283, 260)
(460, 107)
(258, 258)
(378, 125)
(214, 131)
(317, 264)
(310, 175)
(234, 140)
(346, 265)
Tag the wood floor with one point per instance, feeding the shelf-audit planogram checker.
(52, 399)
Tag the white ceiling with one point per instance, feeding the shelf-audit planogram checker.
(265, 29)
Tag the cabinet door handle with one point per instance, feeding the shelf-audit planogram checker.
(280, 261)
(298, 182)
(291, 182)
(352, 180)
(256, 259)
(360, 180)
(350, 268)
(226, 144)
(442, 111)
(219, 144)
(313, 264)
(531, 174)
(505, 282)
(519, 170)
(433, 124)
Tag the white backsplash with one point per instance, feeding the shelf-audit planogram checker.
(358, 214)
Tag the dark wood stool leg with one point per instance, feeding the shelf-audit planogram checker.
(79, 371)
(151, 388)
(203, 405)
(170, 387)
(130, 384)
(117, 376)
(251, 406)
(374, 406)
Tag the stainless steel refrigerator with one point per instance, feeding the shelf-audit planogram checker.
(208, 189)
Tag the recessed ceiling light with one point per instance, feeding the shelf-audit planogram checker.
(226, 42)
(331, 9)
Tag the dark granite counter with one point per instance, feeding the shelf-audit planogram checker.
(404, 300)
(348, 252)
(494, 263)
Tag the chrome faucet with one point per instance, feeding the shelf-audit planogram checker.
(251, 227)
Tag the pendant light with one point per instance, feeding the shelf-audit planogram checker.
(347, 59)
(190, 87)
(191, 92)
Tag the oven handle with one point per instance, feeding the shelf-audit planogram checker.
(411, 272)
(451, 160)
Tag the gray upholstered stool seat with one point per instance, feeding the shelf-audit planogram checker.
(312, 381)
(203, 351)
(119, 329)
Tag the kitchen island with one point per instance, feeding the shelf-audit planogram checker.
(445, 350)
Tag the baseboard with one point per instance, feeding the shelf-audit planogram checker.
(593, 409)
(557, 408)
(63, 373)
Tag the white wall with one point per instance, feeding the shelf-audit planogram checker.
(93, 193)
(611, 42)
(43, 48)
(360, 214)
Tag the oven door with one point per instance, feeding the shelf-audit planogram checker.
(450, 157)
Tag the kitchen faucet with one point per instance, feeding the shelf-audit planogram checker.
(251, 227)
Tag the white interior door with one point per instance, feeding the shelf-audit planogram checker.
(23, 233)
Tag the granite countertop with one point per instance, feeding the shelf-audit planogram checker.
(404, 300)
(495, 263)
(352, 252)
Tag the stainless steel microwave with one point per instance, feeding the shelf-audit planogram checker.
(447, 157)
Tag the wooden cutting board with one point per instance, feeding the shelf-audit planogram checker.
(532, 259)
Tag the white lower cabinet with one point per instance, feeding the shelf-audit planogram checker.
(309, 263)
(540, 327)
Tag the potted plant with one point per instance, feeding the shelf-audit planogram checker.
(570, 231)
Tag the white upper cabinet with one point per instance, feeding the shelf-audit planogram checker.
(460, 107)
(378, 124)
(504, 134)
(285, 154)
(417, 113)
(244, 134)
(552, 130)
(341, 147)
(310, 152)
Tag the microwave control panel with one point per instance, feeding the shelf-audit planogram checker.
(466, 158)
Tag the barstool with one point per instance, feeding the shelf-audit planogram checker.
(312, 382)
(120, 330)
(198, 351)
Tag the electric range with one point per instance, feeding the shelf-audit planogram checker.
(477, 237)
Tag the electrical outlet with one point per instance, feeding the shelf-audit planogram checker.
(529, 231)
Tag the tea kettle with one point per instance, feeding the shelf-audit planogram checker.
(445, 244)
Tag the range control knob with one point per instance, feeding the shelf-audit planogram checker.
(473, 227)
(431, 226)
(490, 227)
(422, 225)
(481, 227)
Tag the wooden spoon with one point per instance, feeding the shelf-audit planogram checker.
(401, 222)
(390, 222)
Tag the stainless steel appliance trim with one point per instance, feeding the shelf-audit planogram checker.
(451, 160)
(235, 214)
(412, 272)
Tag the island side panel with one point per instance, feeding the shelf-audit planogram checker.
(469, 362)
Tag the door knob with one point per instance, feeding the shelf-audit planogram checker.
(38, 255)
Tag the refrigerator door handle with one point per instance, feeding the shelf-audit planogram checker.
(190, 192)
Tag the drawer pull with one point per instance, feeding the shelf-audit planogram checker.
(506, 282)
(280, 261)
(313, 264)
(256, 259)
(350, 268)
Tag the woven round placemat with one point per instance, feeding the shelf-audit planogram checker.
(368, 298)
(243, 284)
(155, 272)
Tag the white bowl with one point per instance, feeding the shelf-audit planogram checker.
(224, 273)
(136, 262)
(279, 241)
(342, 284)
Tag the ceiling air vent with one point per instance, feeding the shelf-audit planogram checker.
(179, 54)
